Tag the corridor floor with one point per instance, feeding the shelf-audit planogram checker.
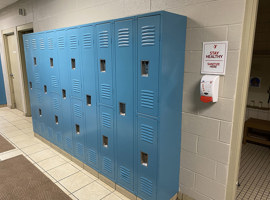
(71, 178)
(254, 175)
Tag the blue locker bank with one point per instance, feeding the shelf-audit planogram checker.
(110, 94)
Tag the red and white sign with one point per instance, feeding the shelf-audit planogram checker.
(214, 57)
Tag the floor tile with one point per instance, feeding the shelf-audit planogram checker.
(105, 185)
(10, 154)
(63, 189)
(63, 171)
(42, 155)
(111, 196)
(34, 148)
(51, 163)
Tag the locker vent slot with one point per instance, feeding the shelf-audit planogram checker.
(64, 95)
(34, 44)
(77, 110)
(122, 109)
(42, 44)
(106, 120)
(54, 81)
(79, 149)
(107, 164)
(146, 186)
(92, 156)
(56, 119)
(37, 78)
(147, 99)
(105, 141)
(50, 41)
(103, 39)
(88, 100)
(145, 68)
(106, 91)
(39, 112)
(87, 40)
(73, 64)
(148, 35)
(77, 129)
(30, 84)
(125, 174)
(102, 65)
(73, 42)
(26, 44)
(68, 143)
(35, 61)
(61, 42)
(45, 89)
(76, 86)
(123, 37)
(51, 62)
(56, 105)
(147, 133)
(144, 159)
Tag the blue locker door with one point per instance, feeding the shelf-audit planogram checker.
(52, 63)
(147, 158)
(78, 129)
(107, 161)
(104, 63)
(125, 104)
(28, 60)
(74, 62)
(148, 64)
(42, 64)
(89, 96)
(56, 119)
(35, 62)
(34, 111)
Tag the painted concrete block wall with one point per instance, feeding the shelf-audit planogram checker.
(207, 128)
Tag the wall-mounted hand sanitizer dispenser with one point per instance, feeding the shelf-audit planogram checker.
(209, 88)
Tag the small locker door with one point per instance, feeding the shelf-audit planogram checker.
(78, 127)
(89, 96)
(52, 62)
(125, 104)
(148, 64)
(42, 64)
(107, 142)
(147, 157)
(28, 60)
(104, 62)
(35, 62)
(74, 62)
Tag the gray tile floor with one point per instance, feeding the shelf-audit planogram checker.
(254, 175)
(71, 178)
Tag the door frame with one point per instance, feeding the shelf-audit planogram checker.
(245, 59)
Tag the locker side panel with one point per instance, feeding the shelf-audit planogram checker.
(148, 64)
(104, 63)
(125, 103)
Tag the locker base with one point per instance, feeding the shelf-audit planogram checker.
(126, 193)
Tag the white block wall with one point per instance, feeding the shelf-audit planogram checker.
(207, 128)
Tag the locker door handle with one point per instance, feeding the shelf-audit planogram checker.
(11, 75)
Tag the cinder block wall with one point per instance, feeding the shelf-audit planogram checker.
(207, 128)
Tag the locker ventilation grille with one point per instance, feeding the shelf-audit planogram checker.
(42, 44)
(125, 174)
(77, 110)
(107, 164)
(146, 186)
(55, 104)
(79, 149)
(73, 42)
(54, 81)
(37, 78)
(147, 133)
(147, 99)
(148, 35)
(106, 91)
(92, 156)
(50, 42)
(68, 144)
(103, 39)
(26, 44)
(123, 37)
(87, 40)
(76, 86)
(34, 43)
(61, 42)
(106, 120)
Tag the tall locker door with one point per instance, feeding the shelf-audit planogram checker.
(74, 62)
(147, 157)
(148, 64)
(107, 142)
(125, 71)
(78, 129)
(105, 64)
(35, 62)
(28, 60)
(89, 95)
(52, 63)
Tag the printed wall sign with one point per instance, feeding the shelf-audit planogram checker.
(214, 57)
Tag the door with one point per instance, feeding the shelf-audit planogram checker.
(14, 72)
